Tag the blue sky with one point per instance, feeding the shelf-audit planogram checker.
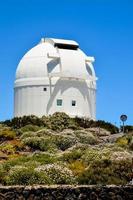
(103, 28)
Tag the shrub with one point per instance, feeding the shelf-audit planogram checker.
(7, 133)
(122, 169)
(27, 135)
(59, 121)
(92, 155)
(105, 166)
(41, 133)
(7, 148)
(20, 175)
(106, 125)
(46, 121)
(118, 156)
(87, 123)
(29, 127)
(73, 125)
(58, 174)
(63, 142)
(17, 144)
(42, 158)
(127, 128)
(131, 143)
(83, 122)
(86, 137)
(99, 131)
(2, 174)
(73, 155)
(40, 143)
(31, 163)
(19, 122)
(77, 167)
(45, 140)
(122, 141)
(94, 174)
(105, 172)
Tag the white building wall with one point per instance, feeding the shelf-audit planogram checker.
(33, 100)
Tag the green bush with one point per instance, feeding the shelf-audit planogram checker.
(122, 141)
(105, 166)
(73, 155)
(95, 154)
(77, 167)
(125, 141)
(73, 125)
(29, 127)
(58, 174)
(7, 148)
(20, 175)
(46, 121)
(86, 137)
(59, 121)
(105, 172)
(49, 142)
(39, 143)
(7, 133)
(40, 133)
(42, 158)
(127, 128)
(63, 142)
(27, 135)
(106, 125)
(19, 122)
(131, 143)
(2, 174)
(83, 122)
(87, 123)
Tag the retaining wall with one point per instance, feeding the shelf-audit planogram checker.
(66, 193)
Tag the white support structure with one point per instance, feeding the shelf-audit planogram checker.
(89, 59)
(53, 55)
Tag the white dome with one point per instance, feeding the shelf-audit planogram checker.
(55, 76)
(38, 62)
(34, 62)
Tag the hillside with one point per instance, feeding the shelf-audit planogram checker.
(61, 150)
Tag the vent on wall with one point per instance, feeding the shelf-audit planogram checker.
(66, 46)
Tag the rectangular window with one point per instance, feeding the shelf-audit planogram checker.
(73, 103)
(59, 102)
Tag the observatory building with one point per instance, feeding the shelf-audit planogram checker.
(55, 76)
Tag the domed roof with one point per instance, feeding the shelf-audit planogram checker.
(52, 57)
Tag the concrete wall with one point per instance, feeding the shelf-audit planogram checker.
(32, 99)
(66, 193)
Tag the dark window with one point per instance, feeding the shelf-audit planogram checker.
(45, 89)
(66, 46)
(59, 102)
(73, 103)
